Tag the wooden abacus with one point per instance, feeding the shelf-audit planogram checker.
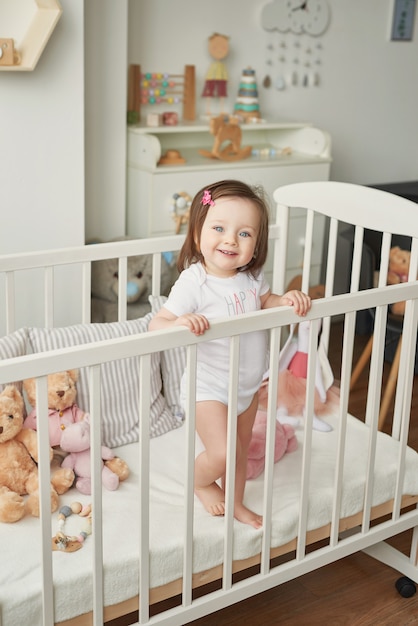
(158, 88)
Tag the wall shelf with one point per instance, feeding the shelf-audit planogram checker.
(30, 23)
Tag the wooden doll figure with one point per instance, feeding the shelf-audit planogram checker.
(217, 76)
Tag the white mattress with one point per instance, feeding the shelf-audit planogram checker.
(20, 587)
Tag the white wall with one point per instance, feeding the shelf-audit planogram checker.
(106, 92)
(42, 139)
(42, 160)
(368, 92)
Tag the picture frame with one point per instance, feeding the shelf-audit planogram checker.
(403, 20)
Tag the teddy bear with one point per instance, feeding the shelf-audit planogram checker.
(62, 412)
(75, 440)
(398, 273)
(285, 441)
(18, 463)
(62, 407)
(105, 285)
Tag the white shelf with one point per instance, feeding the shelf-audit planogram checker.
(150, 186)
(30, 23)
(305, 143)
(201, 126)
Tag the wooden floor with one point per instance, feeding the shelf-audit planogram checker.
(355, 591)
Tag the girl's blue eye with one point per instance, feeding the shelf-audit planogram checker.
(244, 234)
(218, 229)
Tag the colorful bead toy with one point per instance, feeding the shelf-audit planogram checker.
(71, 543)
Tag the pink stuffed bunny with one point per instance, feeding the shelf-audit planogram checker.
(75, 440)
(285, 441)
(292, 383)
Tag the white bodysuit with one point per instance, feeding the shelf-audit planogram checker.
(198, 292)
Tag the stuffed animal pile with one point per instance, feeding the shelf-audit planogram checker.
(18, 463)
(69, 431)
(105, 285)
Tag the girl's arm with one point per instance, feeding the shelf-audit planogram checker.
(300, 301)
(196, 323)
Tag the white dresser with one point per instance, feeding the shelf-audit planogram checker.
(284, 153)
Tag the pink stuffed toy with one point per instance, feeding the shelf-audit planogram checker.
(285, 441)
(292, 383)
(62, 408)
(75, 440)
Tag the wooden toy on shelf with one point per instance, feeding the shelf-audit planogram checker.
(171, 157)
(216, 79)
(226, 128)
(159, 88)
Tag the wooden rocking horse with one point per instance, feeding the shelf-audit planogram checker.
(226, 128)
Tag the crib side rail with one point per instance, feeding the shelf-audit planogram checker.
(46, 269)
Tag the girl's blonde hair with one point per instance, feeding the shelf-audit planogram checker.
(190, 252)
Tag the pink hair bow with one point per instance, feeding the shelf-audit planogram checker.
(207, 198)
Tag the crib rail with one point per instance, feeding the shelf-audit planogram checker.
(15, 268)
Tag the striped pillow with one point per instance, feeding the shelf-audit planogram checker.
(12, 346)
(120, 380)
(173, 364)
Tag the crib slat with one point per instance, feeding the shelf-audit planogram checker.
(409, 326)
(331, 255)
(307, 440)
(307, 252)
(96, 491)
(275, 337)
(86, 293)
(189, 475)
(402, 411)
(10, 302)
(373, 405)
(357, 258)
(49, 296)
(346, 360)
(122, 282)
(384, 259)
(156, 273)
(280, 246)
(329, 278)
(45, 500)
(230, 461)
(144, 487)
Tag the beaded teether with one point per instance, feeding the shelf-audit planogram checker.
(72, 543)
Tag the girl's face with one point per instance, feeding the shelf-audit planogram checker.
(229, 235)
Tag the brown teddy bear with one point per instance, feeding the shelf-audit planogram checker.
(398, 273)
(62, 412)
(18, 467)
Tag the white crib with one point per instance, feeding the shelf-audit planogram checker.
(343, 491)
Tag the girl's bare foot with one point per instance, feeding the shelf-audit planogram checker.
(213, 498)
(246, 516)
